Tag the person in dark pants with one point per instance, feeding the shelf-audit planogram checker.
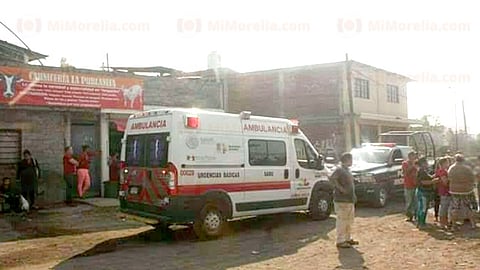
(69, 170)
(28, 172)
(425, 191)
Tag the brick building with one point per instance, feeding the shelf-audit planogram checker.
(318, 97)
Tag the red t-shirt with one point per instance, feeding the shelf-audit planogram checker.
(84, 161)
(409, 175)
(68, 168)
(442, 188)
(114, 171)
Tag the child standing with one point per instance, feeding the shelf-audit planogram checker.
(443, 190)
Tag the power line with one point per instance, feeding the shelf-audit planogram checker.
(24, 44)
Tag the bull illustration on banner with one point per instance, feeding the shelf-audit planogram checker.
(9, 84)
(131, 94)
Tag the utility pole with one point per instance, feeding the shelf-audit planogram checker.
(348, 67)
(456, 129)
(464, 117)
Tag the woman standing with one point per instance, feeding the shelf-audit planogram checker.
(28, 172)
(83, 174)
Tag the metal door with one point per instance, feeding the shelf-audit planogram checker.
(86, 134)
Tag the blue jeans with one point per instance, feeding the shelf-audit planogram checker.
(423, 202)
(410, 202)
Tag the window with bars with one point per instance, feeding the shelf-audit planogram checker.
(362, 89)
(392, 94)
(10, 146)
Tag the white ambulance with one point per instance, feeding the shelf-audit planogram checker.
(187, 165)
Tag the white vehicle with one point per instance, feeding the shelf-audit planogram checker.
(186, 165)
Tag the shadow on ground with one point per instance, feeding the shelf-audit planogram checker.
(351, 259)
(61, 220)
(394, 206)
(246, 241)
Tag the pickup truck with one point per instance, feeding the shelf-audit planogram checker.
(377, 171)
(377, 167)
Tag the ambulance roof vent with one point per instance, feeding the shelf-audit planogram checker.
(245, 115)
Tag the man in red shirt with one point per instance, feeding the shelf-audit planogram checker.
(69, 170)
(410, 169)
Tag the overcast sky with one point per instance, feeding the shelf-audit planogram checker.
(434, 42)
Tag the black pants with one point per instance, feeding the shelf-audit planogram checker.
(28, 192)
(13, 201)
(437, 205)
(69, 181)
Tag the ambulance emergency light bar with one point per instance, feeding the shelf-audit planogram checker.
(295, 128)
(192, 121)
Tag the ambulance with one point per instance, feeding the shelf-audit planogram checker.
(190, 166)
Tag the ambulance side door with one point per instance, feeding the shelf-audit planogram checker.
(304, 169)
(267, 177)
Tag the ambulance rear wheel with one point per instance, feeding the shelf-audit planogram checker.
(210, 222)
(320, 205)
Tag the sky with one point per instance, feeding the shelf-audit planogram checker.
(433, 42)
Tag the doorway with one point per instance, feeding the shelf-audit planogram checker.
(85, 134)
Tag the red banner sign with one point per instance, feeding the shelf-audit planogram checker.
(50, 87)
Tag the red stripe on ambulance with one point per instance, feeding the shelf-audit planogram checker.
(237, 187)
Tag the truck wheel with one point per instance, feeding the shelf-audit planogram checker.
(320, 205)
(210, 222)
(380, 197)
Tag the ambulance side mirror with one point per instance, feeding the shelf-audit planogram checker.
(319, 163)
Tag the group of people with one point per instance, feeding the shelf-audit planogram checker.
(29, 173)
(76, 167)
(450, 190)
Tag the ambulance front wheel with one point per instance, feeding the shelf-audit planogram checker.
(210, 222)
(320, 205)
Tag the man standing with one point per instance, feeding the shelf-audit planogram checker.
(28, 172)
(114, 168)
(462, 184)
(344, 200)
(477, 181)
(425, 192)
(69, 170)
(409, 169)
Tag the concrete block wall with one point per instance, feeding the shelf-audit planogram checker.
(42, 134)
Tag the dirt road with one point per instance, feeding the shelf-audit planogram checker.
(289, 241)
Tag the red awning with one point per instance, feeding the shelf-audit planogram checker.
(120, 123)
